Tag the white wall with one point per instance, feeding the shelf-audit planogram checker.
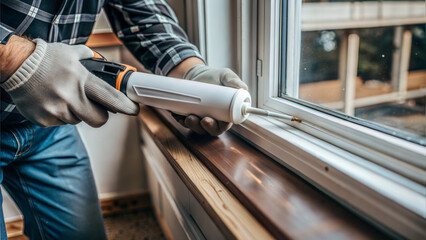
(115, 156)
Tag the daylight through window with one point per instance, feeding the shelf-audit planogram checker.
(365, 59)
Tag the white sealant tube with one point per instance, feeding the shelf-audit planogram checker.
(187, 97)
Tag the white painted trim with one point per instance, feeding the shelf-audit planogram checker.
(247, 38)
(293, 47)
(268, 45)
(201, 13)
(240, 29)
(196, 24)
(406, 151)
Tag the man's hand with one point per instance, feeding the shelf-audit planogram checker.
(51, 87)
(201, 73)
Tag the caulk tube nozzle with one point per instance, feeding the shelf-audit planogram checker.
(240, 102)
(264, 112)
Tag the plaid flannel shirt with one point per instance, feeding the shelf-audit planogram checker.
(148, 28)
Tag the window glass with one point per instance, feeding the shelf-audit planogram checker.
(365, 59)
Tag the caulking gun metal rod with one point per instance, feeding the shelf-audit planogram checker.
(283, 116)
(263, 112)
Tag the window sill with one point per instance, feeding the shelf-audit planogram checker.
(355, 182)
(286, 205)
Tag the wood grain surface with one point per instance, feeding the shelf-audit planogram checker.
(231, 217)
(286, 205)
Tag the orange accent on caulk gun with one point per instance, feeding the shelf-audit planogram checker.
(121, 75)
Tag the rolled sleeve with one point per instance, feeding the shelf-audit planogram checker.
(150, 30)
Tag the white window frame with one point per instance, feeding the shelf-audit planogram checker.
(378, 175)
(268, 90)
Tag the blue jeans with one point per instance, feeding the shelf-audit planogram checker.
(47, 172)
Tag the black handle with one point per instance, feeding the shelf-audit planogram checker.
(107, 71)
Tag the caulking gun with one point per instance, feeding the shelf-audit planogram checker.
(180, 96)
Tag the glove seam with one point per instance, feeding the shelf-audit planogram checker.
(27, 69)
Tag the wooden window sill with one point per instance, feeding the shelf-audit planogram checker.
(283, 203)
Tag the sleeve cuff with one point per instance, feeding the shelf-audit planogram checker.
(27, 69)
(174, 56)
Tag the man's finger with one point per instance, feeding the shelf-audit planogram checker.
(235, 83)
(179, 118)
(214, 127)
(91, 113)
(224, 126)
(82, 51)
(193, 122)
(107, 96)
(69, 117)
(231, 79)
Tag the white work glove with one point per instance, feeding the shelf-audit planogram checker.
(53, 88)
(218, 76)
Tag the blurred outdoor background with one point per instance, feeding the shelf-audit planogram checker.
(366, 59)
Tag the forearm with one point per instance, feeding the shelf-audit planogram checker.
(13, 54)
(180, 70)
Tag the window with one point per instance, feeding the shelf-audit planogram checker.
(354, 72)
(313, 67)
(364, 59)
